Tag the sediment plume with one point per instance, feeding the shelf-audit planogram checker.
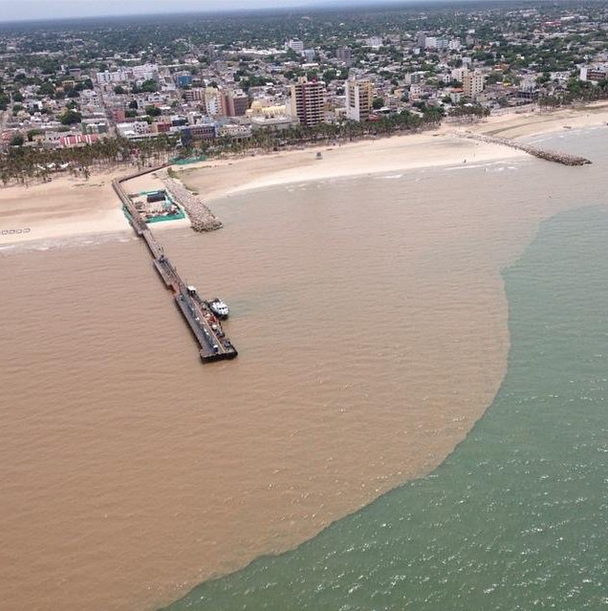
(555, 156)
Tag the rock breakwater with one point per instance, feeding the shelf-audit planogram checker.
(555, 156)
(201, 217)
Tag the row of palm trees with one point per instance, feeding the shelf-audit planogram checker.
(576, 91)
(23, 165)
(346, 131)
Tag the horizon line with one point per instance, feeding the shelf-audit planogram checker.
(317, 5)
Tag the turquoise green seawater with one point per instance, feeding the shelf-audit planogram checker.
(517, 517)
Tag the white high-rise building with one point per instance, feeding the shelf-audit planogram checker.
(117, 76)
(296, 45)
(145, 72)
(309, 55)
(375, 42)
(458, 73)
(344, 54)
(454, 44)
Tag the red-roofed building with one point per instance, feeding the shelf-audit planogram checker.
(78, 140)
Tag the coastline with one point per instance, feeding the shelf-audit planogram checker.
(433, 149)
(58, 209)
(451, 317)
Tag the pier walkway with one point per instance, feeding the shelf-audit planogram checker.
(203, 323)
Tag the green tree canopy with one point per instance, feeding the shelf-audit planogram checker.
(47, 88)
(149, 86)
(70, 117)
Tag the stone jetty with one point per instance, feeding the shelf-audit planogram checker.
(201, 217)
(555, 156)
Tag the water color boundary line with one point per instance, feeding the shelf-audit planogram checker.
(454, 539)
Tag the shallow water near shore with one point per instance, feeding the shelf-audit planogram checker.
(371, 322)
(514, 518)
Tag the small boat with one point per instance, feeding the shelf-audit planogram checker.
(219, 308)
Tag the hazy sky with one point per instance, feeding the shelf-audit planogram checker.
(11, 10)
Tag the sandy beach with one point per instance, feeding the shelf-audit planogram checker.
(68, 206)
(438, 148)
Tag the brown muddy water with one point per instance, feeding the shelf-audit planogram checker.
(371, 322)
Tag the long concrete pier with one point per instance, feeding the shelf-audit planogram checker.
(555, 156)
(203, 323)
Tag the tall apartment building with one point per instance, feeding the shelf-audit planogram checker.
(236, 103)
(344, 54)
(375, 42)
(194, 95)
(307, 99)
(295, 45)
(359, 98)
(472, 84)
(308, 55)
(214, 102)
(457, 74)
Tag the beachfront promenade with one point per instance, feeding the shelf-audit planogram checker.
(203, 323)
